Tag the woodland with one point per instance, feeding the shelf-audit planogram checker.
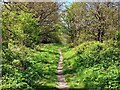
(88, 35)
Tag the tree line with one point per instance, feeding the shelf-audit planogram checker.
(34, 23)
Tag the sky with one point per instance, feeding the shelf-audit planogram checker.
(70, 0)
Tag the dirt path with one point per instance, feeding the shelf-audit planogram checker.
(60, 77)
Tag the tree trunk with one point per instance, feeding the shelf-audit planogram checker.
(100, 35)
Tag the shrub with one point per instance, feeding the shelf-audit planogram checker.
(96, 65)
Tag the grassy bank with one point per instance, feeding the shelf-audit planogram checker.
(92, 65)
(30, 69)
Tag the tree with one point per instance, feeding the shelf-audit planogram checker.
(45, 15)
(90, 21)
(102, 20)
(48, 15)
(18, 27)
(74, 19)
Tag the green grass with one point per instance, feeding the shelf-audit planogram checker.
(70, 70)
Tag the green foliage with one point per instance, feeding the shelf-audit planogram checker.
(98, 77)
(19, 27)
(117, 38)
(95, 65)
(117, 35)
(73, 21)
(30, 69)
(90, 21)
(33, 32)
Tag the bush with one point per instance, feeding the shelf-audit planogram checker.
(29, 69)
(96, 65)
(93, 53)
(98, 77)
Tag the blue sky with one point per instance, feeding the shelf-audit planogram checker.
(70, 0)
